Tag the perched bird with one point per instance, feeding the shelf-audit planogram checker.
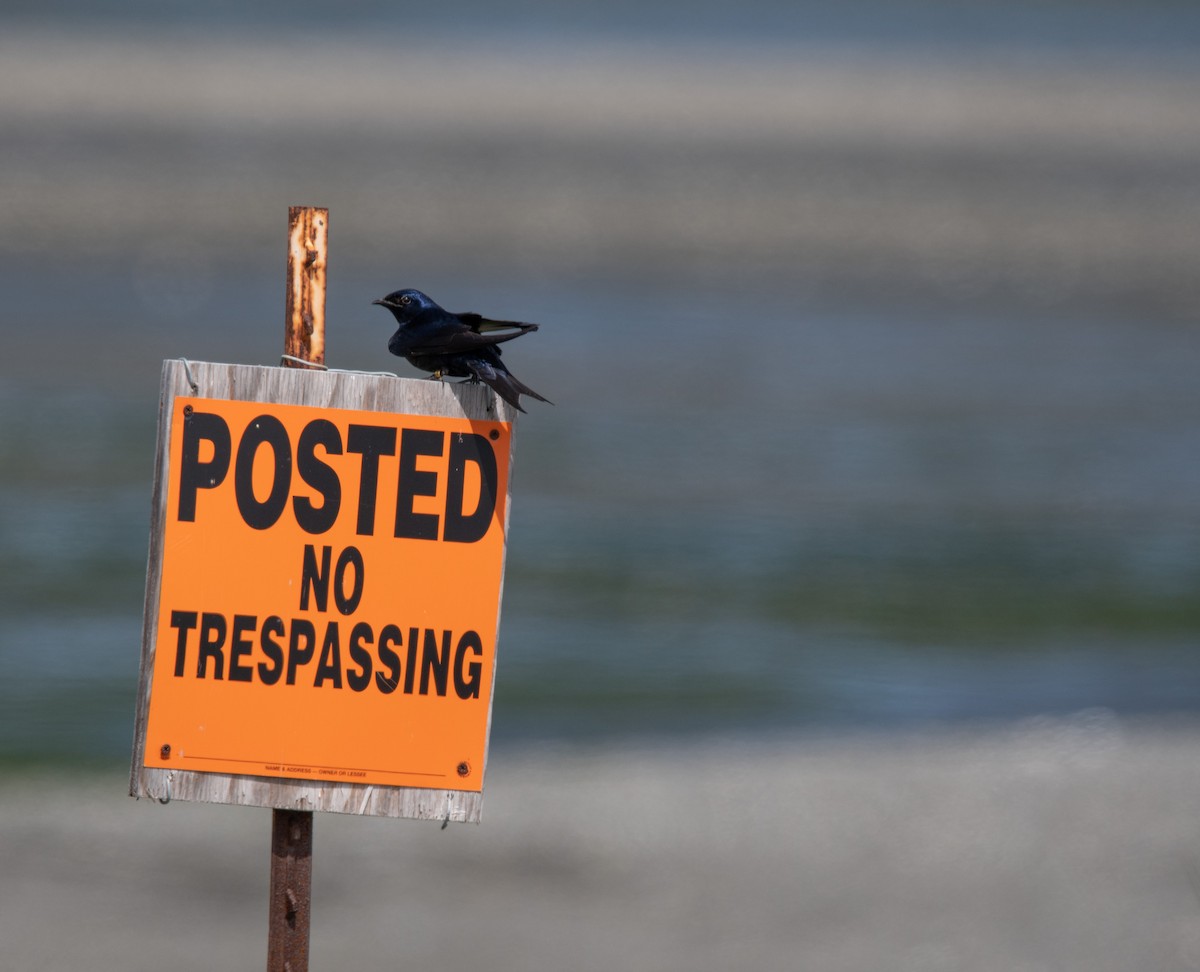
(458, 345)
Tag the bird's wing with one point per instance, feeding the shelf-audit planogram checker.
(480, 324)
(461, 339)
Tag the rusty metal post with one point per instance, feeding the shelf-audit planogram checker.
(292, 830)
(291, 890)
(308, 241)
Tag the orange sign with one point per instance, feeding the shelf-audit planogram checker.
(330, 594)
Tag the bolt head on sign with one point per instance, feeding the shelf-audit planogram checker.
(329, 593)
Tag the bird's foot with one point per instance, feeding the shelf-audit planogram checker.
(436, 376)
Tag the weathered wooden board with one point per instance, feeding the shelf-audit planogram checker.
(320, 389)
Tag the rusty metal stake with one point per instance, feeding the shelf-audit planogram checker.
(292, 830)
(291, 890)
(308, 244)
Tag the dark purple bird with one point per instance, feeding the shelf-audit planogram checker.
(458, 345)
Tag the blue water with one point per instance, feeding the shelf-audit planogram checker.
(894, 521)
(1157, 25)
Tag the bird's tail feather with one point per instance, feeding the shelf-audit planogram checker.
(524, 389)
(511, 389)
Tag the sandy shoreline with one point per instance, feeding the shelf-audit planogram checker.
(908, 174)
(1048, 844)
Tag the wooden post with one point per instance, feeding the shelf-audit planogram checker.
(292, 830)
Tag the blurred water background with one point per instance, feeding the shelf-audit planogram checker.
(872, 329)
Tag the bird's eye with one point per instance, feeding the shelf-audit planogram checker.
(406, 300)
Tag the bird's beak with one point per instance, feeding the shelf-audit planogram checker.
(381, 302)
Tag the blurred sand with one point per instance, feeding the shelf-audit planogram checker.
(920, 172)
(1068, 844)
